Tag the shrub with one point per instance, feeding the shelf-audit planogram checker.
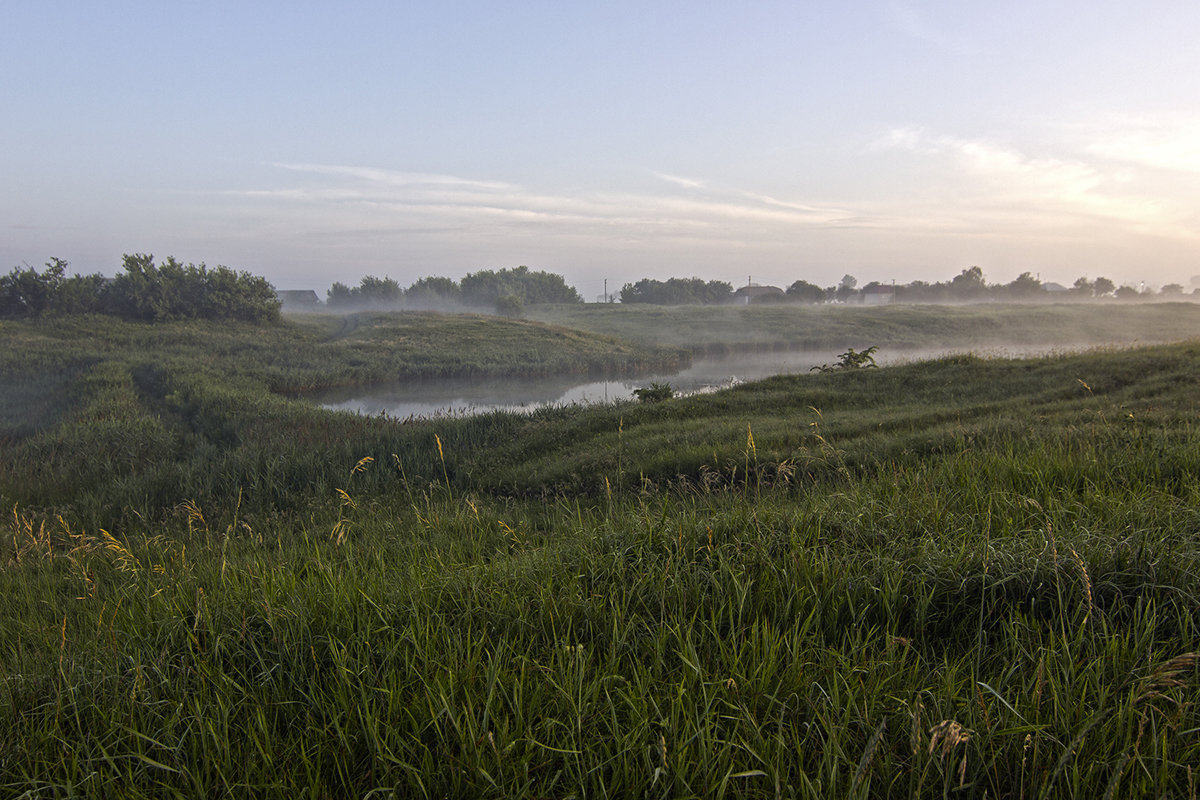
(851, 359)
(655, 393)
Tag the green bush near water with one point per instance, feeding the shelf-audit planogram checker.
(955, 578)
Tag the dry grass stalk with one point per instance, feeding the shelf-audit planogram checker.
(28, 538)
(1024, 759)
(1167, 676)
(126, 560)
(917, 726)
(946, 736)
(195, 517)
(1087, 585)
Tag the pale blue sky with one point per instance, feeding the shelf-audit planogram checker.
(313, 142)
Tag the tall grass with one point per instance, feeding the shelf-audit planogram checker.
(731, 643)
(967, 577)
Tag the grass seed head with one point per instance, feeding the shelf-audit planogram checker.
(947, 735)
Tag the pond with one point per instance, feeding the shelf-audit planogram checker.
(466, 396)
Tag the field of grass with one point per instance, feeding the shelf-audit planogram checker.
(108, 421)
(719, 329)
(961, 578)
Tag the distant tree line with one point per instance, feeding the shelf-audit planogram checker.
(970, 286)
(966, 287)
(677, 291)
(142, 291)
(507, 291)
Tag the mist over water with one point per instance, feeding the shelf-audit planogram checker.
(466, 396)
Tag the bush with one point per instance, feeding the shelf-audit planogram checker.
(655, 393)
(851, 359)
(509, 305)
(188, 291)
(27, 293)
(144, 291)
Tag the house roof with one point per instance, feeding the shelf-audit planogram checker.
(755, 291)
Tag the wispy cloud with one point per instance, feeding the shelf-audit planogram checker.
(351, 196)
(1161, 144)
(687, 183)
(991, 179)
(1073, 194)
(392, 177)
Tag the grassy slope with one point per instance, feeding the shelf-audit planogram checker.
(729, 594)
(318, 351)
(707, 328)
(104, 419)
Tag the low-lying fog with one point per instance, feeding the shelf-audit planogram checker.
(462, 396)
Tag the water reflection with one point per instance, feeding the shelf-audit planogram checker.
(463, 396)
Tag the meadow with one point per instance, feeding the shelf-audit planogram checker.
(963, 577)
(721, 329)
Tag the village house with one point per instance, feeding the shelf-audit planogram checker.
(757, 294)
(298, 299)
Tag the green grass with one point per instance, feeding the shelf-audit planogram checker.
(722, 329)
(964, 577)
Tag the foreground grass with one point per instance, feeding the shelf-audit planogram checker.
(940, 630)
(967, 577)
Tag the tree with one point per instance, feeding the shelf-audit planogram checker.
(82, 294)
(1083, 287)
(435, 292)
(144, 291)
(1024, 286)
(1172, 289)
(28, 293)
(224, 293)
(379, 292)
(485, 287)
(677, 291)
(922, 292)
(805, 292)
(174, 290)
(371, 292)
(846, 287)
(968, 285)
(339, 295)
(1103, 287)
(509, 305)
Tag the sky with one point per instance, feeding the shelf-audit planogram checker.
(606, 141)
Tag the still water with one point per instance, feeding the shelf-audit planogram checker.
(464, 396)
